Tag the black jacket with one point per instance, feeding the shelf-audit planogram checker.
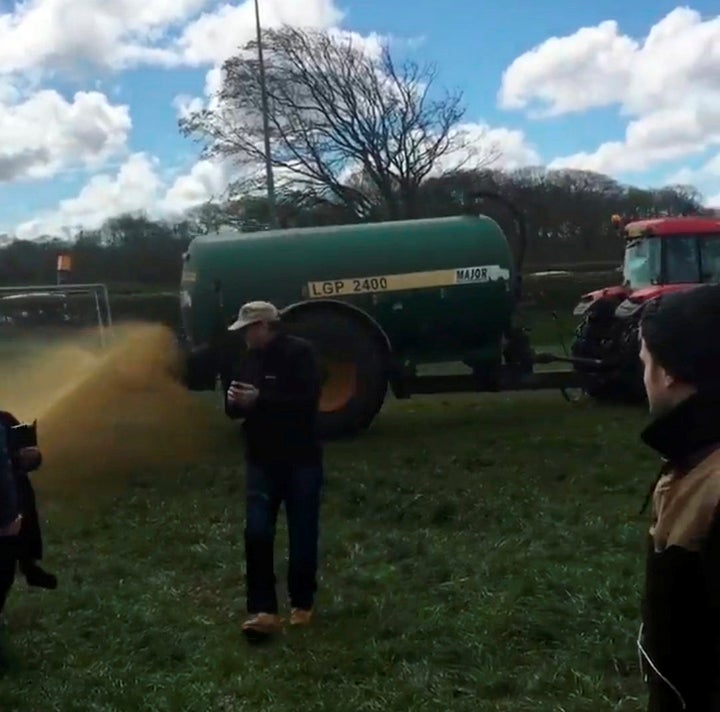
(281, 426)
(679, 642)
(9, 505)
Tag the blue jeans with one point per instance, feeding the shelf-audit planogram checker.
(267, 487)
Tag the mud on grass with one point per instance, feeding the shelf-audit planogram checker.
(477, 554)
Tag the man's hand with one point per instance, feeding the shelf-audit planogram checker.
(29, 458)
(242, 395)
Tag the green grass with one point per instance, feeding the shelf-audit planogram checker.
(478, 553)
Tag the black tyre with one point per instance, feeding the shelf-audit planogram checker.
(199, 369)
(614, 341)
(353, 364)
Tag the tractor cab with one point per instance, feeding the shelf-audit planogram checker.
(663, 254)
(671, 251)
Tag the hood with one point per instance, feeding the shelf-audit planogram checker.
(686, 430)
(614, 291)
(647, 293)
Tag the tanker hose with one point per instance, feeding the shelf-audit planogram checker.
(520, 221)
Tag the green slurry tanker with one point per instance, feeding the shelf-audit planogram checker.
(377, 300)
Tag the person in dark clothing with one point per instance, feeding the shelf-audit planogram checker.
(679, 639)
(276, 389)
(10, 521)
(29, 544)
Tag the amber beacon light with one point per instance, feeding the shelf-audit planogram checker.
(64, 266)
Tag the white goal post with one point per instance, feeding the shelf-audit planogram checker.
(98, 291)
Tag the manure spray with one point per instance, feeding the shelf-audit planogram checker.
(106, 417)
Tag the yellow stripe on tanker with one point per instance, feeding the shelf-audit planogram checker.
(411, 280)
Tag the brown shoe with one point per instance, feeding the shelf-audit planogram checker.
(300, 617)
(262, 625)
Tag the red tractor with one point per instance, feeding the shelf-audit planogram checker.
(663, 254)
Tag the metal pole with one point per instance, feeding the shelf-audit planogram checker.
(266, 124)
(100, 319)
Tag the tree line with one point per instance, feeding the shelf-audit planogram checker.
(354, 136)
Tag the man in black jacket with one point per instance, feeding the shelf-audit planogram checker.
(276, 389)
(679, 641)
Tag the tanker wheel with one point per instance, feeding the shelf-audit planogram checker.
(198, 371)
(353, 369)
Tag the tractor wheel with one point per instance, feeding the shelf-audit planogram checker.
(595, 338)
(610, 339)
(353, 369)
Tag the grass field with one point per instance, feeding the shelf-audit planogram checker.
(478, 553)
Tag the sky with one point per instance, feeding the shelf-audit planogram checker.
(91, 91)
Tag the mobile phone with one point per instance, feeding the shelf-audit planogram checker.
(21, 436)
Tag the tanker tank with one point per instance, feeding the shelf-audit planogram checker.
(378, 300)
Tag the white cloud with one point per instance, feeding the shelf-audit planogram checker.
(582, 71)
(57, 35)
(669, 83)
(215, 36)
(709, 170)
(60, 34)
(515, 152)
(185, 104)
(597, 66)
(707, 176)
(660, 136)
(485, 146)
(206, 180)
(136, 187)
(44, 134)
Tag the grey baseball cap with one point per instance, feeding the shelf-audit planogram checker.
(254, 312)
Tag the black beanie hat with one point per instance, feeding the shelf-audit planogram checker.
(682, 332)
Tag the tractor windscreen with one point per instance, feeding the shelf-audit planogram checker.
(643, 263)
(677, 259)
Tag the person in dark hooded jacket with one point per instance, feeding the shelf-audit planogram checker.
(10, 521)
(679, 639)
(29, 543)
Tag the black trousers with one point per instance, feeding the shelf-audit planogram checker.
(299, 487)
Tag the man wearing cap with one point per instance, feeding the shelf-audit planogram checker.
(679, 640)
(276, 389)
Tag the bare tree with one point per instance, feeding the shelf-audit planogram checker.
(347, 125)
